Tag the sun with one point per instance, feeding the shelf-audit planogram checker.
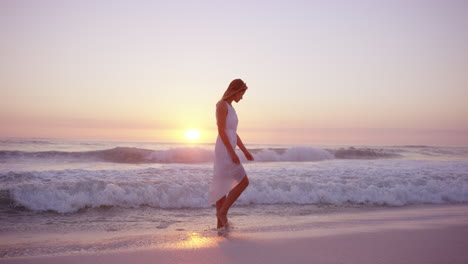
(192, 134)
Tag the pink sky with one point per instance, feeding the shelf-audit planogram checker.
(319, 72)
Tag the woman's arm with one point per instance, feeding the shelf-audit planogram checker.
(244, 149)
(221, 114)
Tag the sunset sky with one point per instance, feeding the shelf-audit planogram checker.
(319, 72)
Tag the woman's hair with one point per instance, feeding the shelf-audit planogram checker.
(234, 87)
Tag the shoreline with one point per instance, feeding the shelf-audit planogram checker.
(418, 234)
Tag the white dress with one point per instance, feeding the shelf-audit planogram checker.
(226, 174)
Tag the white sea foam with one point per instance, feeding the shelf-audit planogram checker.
(181, 155)
(292, 154)
(376, 182)
(71, 190)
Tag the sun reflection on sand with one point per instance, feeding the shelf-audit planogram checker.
(197, 240)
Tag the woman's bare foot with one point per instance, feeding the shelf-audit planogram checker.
(219, 206)
(220, 224)
(222, 218)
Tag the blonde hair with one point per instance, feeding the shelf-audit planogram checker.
(234, 87)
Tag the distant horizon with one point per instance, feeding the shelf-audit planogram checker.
(194, 143)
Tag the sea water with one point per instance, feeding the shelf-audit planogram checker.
(123, 190)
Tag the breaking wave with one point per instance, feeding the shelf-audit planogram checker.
(363, 153)
(186, 186)
(120, 155)
(198, 155)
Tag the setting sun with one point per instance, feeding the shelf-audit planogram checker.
(192, 134)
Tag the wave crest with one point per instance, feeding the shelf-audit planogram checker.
(363, 153)
(119, 155)
(199, 155)
(293, 154)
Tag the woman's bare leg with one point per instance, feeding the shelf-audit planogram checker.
(230, 199)
(219, 205)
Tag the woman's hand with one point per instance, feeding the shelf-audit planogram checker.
(235, 158)
(248, 155)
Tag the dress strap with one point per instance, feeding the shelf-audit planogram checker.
(220, 102)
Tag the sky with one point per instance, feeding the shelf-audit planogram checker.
(319, 72)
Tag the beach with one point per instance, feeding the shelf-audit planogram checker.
(424, 234)
(145, 202)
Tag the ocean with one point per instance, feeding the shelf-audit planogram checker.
(60, 196)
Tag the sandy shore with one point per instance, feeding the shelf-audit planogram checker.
(428, 234)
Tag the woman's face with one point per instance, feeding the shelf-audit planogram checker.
(238, 96)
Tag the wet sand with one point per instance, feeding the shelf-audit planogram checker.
(426, 234)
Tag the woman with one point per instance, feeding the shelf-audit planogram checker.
(229, 177)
